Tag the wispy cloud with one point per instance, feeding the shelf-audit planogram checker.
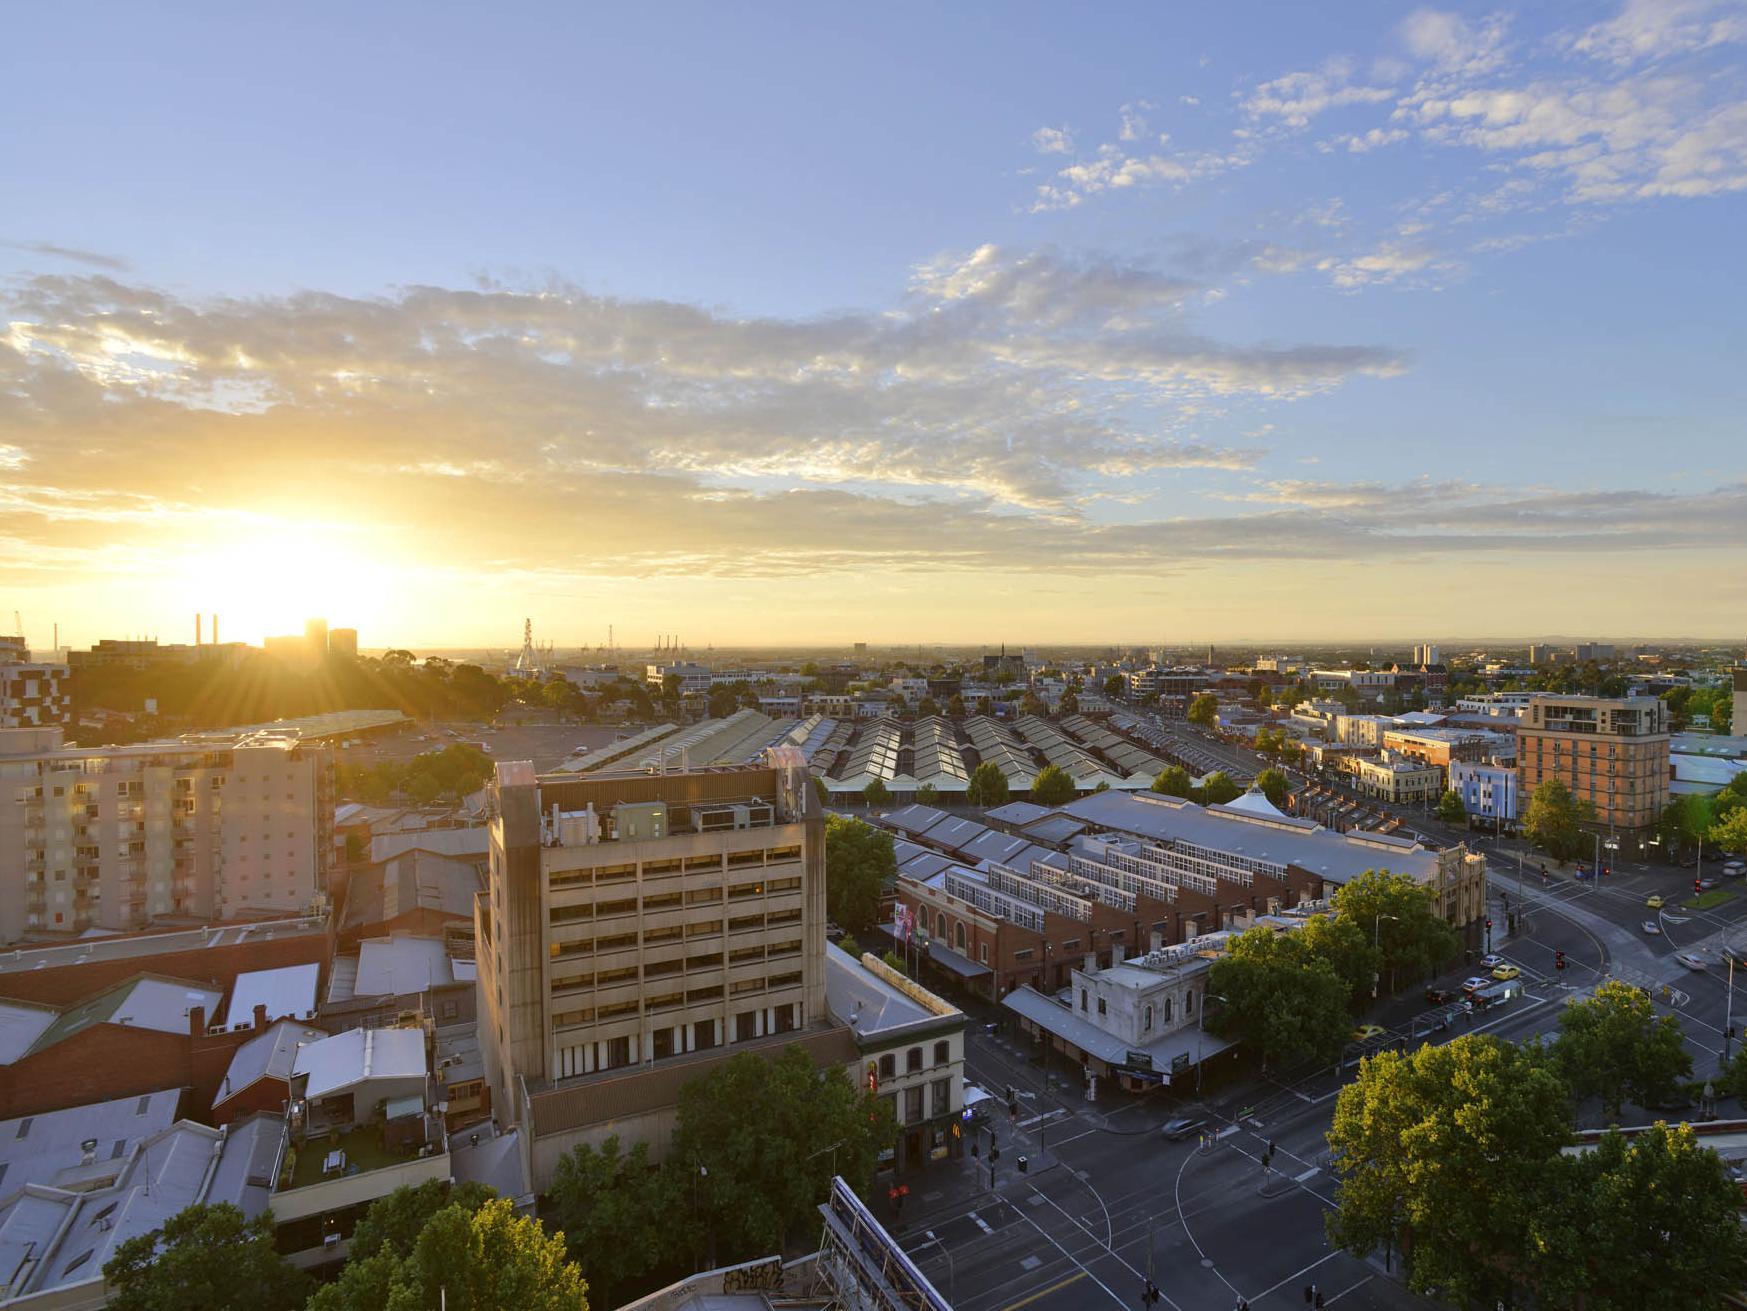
(72, 254)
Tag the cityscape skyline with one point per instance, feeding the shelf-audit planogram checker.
(1243, 321)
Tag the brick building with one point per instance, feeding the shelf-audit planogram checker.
(1610, 751)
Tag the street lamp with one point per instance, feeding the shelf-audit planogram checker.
(1376, 945)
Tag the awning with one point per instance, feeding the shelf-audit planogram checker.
(948, 959)
(1047, 1013)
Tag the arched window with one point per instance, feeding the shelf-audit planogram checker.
(958, 934)
(1149, 1017)
(1167, 1010)
(1189, 1002)
(940, 925)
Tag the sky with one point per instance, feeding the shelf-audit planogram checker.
(902, 323)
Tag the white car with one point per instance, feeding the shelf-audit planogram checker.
(1651, 926)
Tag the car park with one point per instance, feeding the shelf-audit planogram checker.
(1504, 972)
(1180, 1128)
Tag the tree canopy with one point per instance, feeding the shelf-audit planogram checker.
(1614, 1046)
(859, 864)
(204, 1258)
(1553, 818)
(1290, 1005)
(756, 1126)
(453, 772)
(1450, 808)
(1204, 710)
(1275, 786)
(617, 1212)
(1399, 915)
(1053, 786)
(988, 786)
(1173, 781)
(876, 793)
(1219, 788)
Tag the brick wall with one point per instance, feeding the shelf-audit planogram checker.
(67, 984)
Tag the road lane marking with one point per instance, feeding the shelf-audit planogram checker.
(1045, 1292)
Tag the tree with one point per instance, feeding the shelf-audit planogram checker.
(1069, 704)
(876, 793)
(1114, 686)
(204, 1258)
(1552, 819)
(1445, 1147)
(1614, 1046)
(1053, 787)
(1687, 821)
(955, 706)
(927, 706)
(927, 794)
(859, 864)
(988, 786)
(1275, 786)
(1173, 781)
(847, 943)
(895, 961)
(1030, 704)
(1731, 834)
(1219, 789)
(1450, 808)
(1347, 948)
(1204, 710)
(1290, 1005)
(393, 1223)
(1646, 1224)
(614, 1210)
(1399, 915)
(491, 1259)
(757, 1126)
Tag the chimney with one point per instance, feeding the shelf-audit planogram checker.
(197, 1021)
(1091, 962)
(260, 1015)
(1115, 954)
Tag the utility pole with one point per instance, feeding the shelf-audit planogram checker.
(1729, 1011)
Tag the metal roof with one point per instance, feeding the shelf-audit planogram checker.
(289, 990)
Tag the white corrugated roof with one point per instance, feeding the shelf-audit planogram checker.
(286, 991)
(360, 1056)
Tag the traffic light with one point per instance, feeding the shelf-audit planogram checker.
(1489, 924)
(1558, 960)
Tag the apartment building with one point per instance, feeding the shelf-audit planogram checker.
(1488, 789)
(33, 695)
(1610, 751)
(694, 679)
(638, 928)
(115, 837)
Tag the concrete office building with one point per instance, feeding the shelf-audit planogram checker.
(343, 642)
(114, 837)
(1610, 751)
(637, 929)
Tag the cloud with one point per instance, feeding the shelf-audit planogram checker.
(109, 263)
(1113, 168)
(1052, 141)
(1360, 143)
(1134, 122)
(1390, 262)
(1297, 98)
(1451, 44)
(1646, 30)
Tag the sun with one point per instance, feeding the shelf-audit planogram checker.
(269, 580)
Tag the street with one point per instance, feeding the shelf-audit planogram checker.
(1108, 1201)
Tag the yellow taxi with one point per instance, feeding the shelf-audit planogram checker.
(1654, 903)
(1506, 972)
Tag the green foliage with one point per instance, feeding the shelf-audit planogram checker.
(1686, 821)
(1448, 1144)
(1731, 834)
(988, 786)
(1103, 785)
(955, 707)
(1614, 1046)
(1347, 948)
(1275, 786)
(454, 771)
(1553, 818)
(205, 1258)
(1052, 787)
(896, 962)
(1115, 687)
(1287, 1003)
(927, 794)
(1450, 808)
(876, 793)
(393, 1223)
(757, 1126)
(1173, 781)
(859, 864)
(1218, 789)
(848, 943)
(1204, 710)
(616, 1212)
(1400, 916)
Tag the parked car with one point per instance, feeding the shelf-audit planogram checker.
(1180, 1128)
(1706, 884)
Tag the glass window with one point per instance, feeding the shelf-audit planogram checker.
(912, 1060)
